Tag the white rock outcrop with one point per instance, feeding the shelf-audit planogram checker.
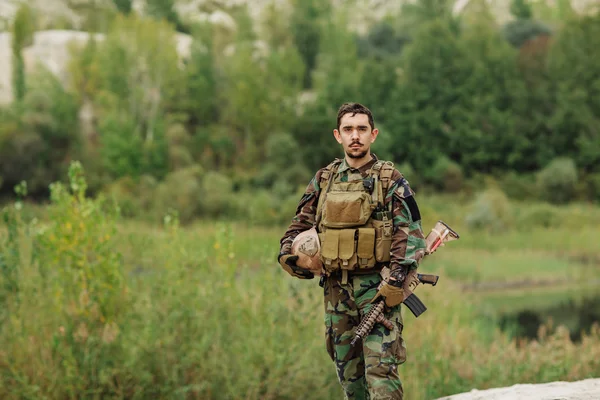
(588, 389)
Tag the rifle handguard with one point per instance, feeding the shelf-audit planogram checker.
(374, 316)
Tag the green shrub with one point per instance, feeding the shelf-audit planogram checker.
(446, 175)
(257, 208)
(182, 191)
(558, 180)
(179, 142)
(519, 186)
(216, 195)
(490, 211)
(593, 181)
(124, 192)
(520, 31)
(543, 215)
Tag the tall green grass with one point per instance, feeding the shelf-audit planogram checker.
(94, 307)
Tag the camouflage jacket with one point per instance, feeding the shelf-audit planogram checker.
(408, 241)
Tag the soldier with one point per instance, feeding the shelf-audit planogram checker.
(366, 217)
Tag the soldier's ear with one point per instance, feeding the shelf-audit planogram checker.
(337, 136)
(374, 134)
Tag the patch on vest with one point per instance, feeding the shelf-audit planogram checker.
(402, 188)
(404, 192)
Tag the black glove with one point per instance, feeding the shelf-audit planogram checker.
(288, 263)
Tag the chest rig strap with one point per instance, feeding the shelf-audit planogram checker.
(381, 172)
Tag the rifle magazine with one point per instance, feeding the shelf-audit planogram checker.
(415, 305)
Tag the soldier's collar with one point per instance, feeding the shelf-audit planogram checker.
(344, 165)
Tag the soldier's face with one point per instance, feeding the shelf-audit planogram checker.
(355, 135)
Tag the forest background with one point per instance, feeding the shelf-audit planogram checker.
(457, 99)
(189, 170)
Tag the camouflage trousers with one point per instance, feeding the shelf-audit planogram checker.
(368, 370)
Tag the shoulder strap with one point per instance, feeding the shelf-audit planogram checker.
(385, 176)
(382, 172)
(328, 173)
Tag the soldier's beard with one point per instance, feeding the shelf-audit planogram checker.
(354, 155)
(359, 155)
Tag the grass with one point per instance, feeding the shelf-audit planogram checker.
(95, 307)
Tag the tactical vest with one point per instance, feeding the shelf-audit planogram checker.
(355, 229)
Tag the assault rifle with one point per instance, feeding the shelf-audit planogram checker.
(440, 234)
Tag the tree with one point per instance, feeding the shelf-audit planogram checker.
(39, 137)
(523, 28)
(22, 35)
(257, 92)
(199, 98)
(489, 138)
(337, 78)
(430, 100)
(380, 52)
(124, 6)
(307, 21)
(165, 9)
(520, 9)
(574, 68)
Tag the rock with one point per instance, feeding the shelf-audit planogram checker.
(588, 389)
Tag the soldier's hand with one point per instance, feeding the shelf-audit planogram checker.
(288, 263)
(392, 295)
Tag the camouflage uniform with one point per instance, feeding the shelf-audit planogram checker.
(368, 371)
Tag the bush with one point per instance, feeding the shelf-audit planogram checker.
(518, 32)
(542, 215)
(179, 142)
(558, 180)
(124, 192)
(216, 195)
(256, 208)
(446, 175)
(593, 184)
(491, 211)
(183, 191)
(519, 186)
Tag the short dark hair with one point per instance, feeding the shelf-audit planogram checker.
(354, 108)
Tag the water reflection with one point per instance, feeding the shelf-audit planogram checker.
(577, 316)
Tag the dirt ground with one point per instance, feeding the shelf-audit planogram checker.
(588, 389)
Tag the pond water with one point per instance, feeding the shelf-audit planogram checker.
(578, 316)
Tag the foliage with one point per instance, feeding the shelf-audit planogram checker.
(558, 180)
(490, 211)
(308, 19)
(71, 263)
(22, 35)
(216, 194)
(449, 93)
(165, 9)
(200, 99)
(445, 175)
(573, 58)
(39, 135)
(124, 6)
(285, 167)
(520, 9)
(520, 31)
(181, 191)
(123, 309)
(422, 126)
